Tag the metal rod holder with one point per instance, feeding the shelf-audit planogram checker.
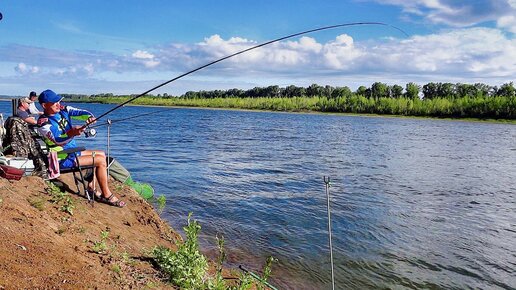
(327, 185)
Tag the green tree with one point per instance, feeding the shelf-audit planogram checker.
(506, 90)
(361, 91)
(341, 92)
(430, 91)
(327, 91)
(273, 91)
(446, 90)
(314, 90)
(482, 90)
(412, 91)
(380, 90)
(396, 91)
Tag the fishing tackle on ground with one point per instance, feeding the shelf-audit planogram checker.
(244, 51)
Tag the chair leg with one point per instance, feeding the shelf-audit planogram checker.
(90, 199)
(75, 179)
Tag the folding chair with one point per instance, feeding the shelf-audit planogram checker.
(78, 175)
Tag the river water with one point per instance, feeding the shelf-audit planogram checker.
(415, 203)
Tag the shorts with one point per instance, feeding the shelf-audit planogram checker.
(69, 162)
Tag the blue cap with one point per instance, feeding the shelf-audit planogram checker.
(48, 96)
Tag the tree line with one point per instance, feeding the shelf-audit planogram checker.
(433, 99)
(376, 91)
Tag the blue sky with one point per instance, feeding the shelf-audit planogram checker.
(127, 47)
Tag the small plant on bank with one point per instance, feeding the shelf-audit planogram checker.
(38, 203)
(187, 267)
(58, 197)
(116, 268)
(61, 230)
(161, 201)
(218, 282)
(267, 268)
(55, 193)
(100, 247)
(68, 205)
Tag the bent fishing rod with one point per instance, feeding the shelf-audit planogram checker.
(241, 52)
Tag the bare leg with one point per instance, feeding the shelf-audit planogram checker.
(98, 154)
(100, 169)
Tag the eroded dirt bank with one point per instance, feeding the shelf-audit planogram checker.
(97, 247)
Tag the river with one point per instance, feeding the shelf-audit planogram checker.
(415, 203)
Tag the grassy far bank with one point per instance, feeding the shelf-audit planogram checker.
(490, 107)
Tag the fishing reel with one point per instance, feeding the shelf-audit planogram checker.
(90, 132)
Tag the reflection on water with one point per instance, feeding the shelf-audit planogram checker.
(415, 203)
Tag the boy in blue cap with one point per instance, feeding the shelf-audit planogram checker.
(58, 133)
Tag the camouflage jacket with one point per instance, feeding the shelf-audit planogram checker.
(21, 141)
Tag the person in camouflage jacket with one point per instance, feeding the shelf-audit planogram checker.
(22, 144)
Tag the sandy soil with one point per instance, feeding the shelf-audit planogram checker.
(43, 247)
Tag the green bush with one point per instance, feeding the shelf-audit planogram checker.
(186, 267)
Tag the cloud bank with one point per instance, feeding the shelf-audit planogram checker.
(459, 55)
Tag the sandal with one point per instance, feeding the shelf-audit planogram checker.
(108, 200)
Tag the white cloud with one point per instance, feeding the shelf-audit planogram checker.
(73, 71)
(457, 13)
(151, 63)
(305, 43)
(462, 51)
(281, 56)
(458, 55)
(341, 53)
(507, 22)
(141, 54)
(147, 58)
(466, 52)
(24, 69)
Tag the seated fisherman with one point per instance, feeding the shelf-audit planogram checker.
(33, 110)
(19, 139)
(23, 111)
(58, 132)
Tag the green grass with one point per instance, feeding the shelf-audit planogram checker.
(494, 107)
(187, 267)
(60, 198)
(161, 202)
(100, 246)
(37, 202)
(116, 268)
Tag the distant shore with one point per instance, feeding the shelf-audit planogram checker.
(500, 121)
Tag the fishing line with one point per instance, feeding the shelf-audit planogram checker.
(243, 51)
(109, 122)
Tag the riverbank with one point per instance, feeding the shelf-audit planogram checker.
(500, 121)
(46, 244)
(495, 107)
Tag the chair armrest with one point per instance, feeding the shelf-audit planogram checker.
(73, 150)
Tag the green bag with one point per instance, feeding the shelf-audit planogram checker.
(118, 172)
(144, 189)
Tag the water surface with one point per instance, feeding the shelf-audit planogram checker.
(416, 203)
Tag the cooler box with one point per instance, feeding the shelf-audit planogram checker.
(22, 163)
